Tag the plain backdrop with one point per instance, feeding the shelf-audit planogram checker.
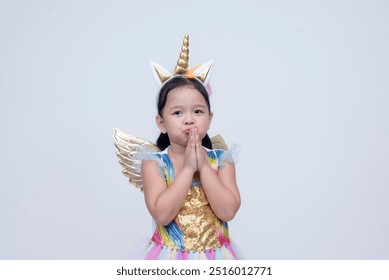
(301, 86)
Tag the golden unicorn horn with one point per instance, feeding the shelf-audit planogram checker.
(182, 62)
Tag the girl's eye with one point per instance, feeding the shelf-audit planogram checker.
(198, 111)
(177, 113)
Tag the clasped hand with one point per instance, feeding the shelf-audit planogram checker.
(195, 156)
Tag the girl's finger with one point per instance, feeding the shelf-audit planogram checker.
(196, 137)
(192, 136)
(193, 139)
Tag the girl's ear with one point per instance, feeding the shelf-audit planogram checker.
(160, 123)
(210, 118)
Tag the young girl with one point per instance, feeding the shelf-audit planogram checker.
(190, 189)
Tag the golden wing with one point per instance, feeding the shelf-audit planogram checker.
(218, 143)
(128, 146)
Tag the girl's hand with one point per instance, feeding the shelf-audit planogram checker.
(201, 154)
(190, 153)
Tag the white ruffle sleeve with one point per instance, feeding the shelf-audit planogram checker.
(230, 156)
(145, 153)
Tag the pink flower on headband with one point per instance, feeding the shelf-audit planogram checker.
(209, 89)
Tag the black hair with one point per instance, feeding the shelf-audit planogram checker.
(163, 140)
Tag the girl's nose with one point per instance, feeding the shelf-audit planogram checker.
(189, 121)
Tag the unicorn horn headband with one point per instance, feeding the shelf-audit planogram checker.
(201, 72)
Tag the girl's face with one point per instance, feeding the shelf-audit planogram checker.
(184, 109)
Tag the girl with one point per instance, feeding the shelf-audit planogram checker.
(190, 189)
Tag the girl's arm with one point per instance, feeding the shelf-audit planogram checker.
(220, 188)
(164, 202)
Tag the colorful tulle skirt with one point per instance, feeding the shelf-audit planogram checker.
(161, 252)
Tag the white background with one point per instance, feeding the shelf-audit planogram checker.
(302, 86)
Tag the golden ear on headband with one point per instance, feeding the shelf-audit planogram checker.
(201, 72)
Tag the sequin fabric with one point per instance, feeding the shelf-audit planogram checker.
(198, 222)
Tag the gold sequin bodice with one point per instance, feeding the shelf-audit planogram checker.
(197, 221)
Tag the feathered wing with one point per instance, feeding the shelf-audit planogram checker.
(128, 146)
(218, 142)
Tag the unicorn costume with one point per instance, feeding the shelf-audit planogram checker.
(196, 232)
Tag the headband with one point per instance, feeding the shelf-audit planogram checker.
(200, 72)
